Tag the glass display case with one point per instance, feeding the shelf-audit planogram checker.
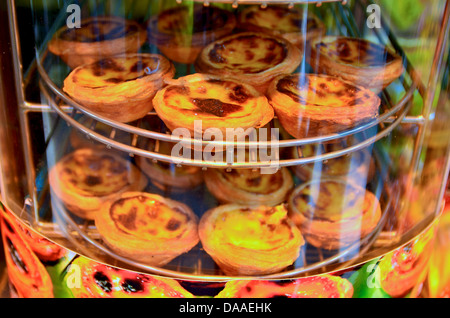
(222, 148)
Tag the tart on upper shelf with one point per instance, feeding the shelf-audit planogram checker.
(246, 240)
(254, 58)
(295, 25)
(311, 105)
(147, 227)
(219, 103)
(86, 178)
(356, 60)
(333, 213)
(181, 32)
(120, 88)
(96, 39)
(249, 186)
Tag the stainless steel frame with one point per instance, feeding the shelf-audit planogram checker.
(63, 106)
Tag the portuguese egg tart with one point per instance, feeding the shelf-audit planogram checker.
(96, 39)
(356, 166)
(166, 175)
(219, 103)
(86, 178)
(320, 286)
(293, 24)
(147, 227)
(254, 58)
(249, 187)
(245, 240)
(310, 105)
(180, 33)
(356, 60)
(333, 213)
(120, 88)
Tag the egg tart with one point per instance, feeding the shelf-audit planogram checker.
(168, 175)
(333, 213)
(86, 178)
(310, 105)
(219, 103)
(97, 38)
(147, 227)
(245, 240)
(295, 25)
(248, 186)
(119, 88)
(180, 33)
(356, 166)
(254, 58)
(356, 60)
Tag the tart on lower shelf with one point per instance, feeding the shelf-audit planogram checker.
(255, 58)
(96, 39)
(86, 178)
(334, 214)
(181, 32)
(356, 60)
(120, 88)
(147, 227)
(248, 186)
(311, 105)
(217, 103)
(168, 175)
(248, 241)
(295, 25)
(357, 166)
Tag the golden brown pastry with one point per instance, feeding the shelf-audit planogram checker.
(120, 88)
(333, 213)
(356, 166)
(147, 227)
(96, 39)
(356, 60)
(86, 178)
(295, 25)
(166, 175)
(254, 58)
(248, 186)
(310, 105)
(180, 33)
(219, 103)
(246, 240)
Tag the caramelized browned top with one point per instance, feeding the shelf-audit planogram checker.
(357, 52)
(279, 18)
(253, 181)
(101, 29)
(248, 53)
(321, 90)
(148, 218)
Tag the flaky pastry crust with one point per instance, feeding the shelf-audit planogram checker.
(251, 241)
(356, 60)
(86, 178)
(255, 58)
(310, 105)
(96, 39)
(147, 227)
(333, 213)
(120, 88)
